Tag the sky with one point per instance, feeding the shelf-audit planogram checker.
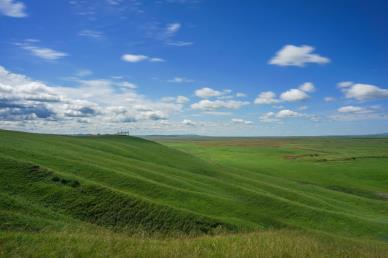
(207, 67)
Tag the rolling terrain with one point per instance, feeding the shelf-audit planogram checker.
(84, 195)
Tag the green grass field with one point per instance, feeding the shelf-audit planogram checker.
(120, 196)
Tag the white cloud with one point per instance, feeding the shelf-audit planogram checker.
(13, 8)
(207, 93)
(307, 87)
(354, 109)
(240, 95)
(180, 80)
(114, 2)
(266, 97)
(91, 34)
(95, 102)
(329, 99)
(156, 60)
(131, 58)
(209, 105)
(287, 113)
(268, 117)
(241, 121)
(291, 55)
(172, 28)
(183, 1)
(344, 84)
(180, 43)
(278, 116)
(182, 99)
(356, 113)
(188, 122)
(178, 99)
(83, 73)
(293, 95)
(217, 113)
(41, 52)
(361, 91)
(127, 85)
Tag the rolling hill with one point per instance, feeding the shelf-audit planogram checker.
(89, 191)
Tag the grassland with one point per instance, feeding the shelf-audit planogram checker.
(202, 197)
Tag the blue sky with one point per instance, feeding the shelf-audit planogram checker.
(194, 67)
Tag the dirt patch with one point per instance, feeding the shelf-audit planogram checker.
(300, 156)
(352, 158)
(383, 195)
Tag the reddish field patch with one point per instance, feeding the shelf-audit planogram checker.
(242, 143)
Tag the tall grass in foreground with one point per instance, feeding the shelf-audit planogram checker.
(283, 243)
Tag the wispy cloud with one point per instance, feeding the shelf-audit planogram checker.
(166, 33)
(132, 58)
(41, 52)
(354, 110)
(241, 121)
(180, 80)
(209, 105)
(172, 29)
(83, 72)
(180, 43)
(91, 34)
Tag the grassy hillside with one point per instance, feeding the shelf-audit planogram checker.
(87, 191)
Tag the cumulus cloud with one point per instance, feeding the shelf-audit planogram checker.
(209, 105)
(41, 52)
(293, 95)
(188, 122)
(89, 101)
(307, 87)
(278, 116)
(131, 58)
(241, 121)
(207, 93)
(268, 117)
(266, 97)
(13, 8)
(287, 113)
(182, 99)
(361, 91)
(291, 55)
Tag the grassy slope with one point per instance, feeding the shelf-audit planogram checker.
(101, 243)
(52, 182)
